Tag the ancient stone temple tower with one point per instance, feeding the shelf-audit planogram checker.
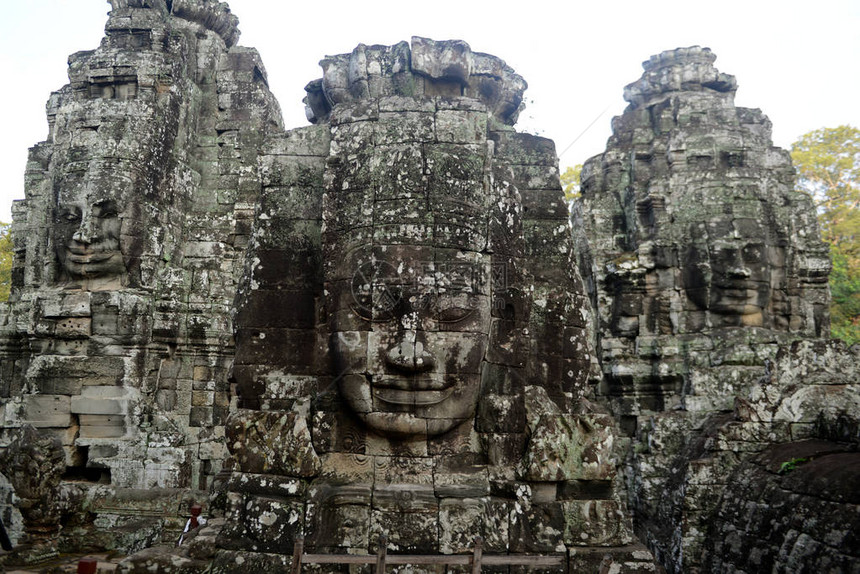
(693, 227)
(371, 325)
(704, 265)
(381, 324)
(128, 248)
(412, 357)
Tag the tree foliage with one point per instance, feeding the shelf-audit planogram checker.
(570, 182)
(5, 260)
(828, 168)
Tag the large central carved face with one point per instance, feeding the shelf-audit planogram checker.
(407, 274)
(410, 330)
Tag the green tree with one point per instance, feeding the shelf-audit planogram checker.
(828, 168)
(5, 260)
(570, 182)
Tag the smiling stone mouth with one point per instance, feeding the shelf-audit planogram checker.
(416, 398)
(739, 292)
(87, 256)
(411, 384)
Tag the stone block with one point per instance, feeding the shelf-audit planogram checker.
(201, 416)
(90, 405)
(230, 561)
(65, 305)
(537, 528)
(631, 559)
(277, 443)
(92, 431)
(442, 60)
(412, 532)
(73, 327)
(501, 413)
(202, 398)
(46, 410)
(338, 525)
(461, 127)
(68, 374)
(263, 524)
(596, 523)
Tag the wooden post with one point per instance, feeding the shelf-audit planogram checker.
(478, 553)
(298, 550)
(381, 552)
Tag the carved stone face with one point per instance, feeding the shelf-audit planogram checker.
(409, 334)
(88, 234)
(730, 275)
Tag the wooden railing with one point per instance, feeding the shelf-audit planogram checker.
(382, 558)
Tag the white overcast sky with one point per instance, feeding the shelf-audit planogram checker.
(799, 61)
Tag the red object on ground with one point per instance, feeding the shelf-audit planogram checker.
(196, 509)
(87, 566)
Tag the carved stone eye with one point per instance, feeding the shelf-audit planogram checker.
(68, 215)
(105, 209)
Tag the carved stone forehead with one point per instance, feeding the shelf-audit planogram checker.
(420, 267)
(390, 181)
(95, 180)
(411, 162)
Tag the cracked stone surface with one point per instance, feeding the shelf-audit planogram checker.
(129, 244)
(444, 370)
(343, 329)
(378, 324)
(708, 278)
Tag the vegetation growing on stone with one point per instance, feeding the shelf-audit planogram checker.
(790, 465)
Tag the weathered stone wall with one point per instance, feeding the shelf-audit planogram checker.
(792, 508)
(128, 247)
(376, 324)
(411, 312)
(689, 224)
(168, 215)
(704, 265)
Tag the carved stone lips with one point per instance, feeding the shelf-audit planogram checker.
(412, 384)
(83, 255)
(417, 392)
(740, 292)
(412, 398)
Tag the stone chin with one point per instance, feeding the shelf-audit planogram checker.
(89, 263)
(404, 411)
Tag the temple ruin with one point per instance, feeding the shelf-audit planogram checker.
(387, 324)
(708, 277)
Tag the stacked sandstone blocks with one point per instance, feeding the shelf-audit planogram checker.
(377, 314)
(709, 281)
(410, 312)
(128, 247)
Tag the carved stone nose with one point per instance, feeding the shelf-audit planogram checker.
(86, 232)
(410, 357)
